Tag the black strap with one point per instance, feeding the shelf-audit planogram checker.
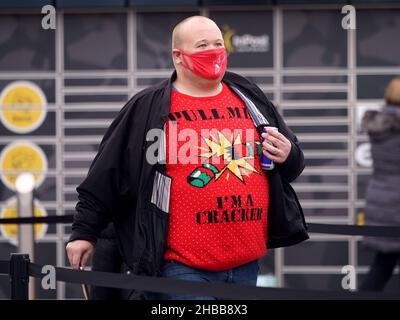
(32, 220)
(353, 230)
(196, 288)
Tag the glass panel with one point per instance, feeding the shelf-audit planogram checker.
(24, 45)
(146, 82)
(314, 79)
(87, 147)
(340, 179)
(47, 191)
(323, 195)
(85, 132)
(153, 35)
(95, 41)
(93, 114)
(314, 95)
(320, 129)
(372, 86)
(318, 253)
(314, 281)
(316, 112)
(96, 82)
(324, 145)
(261, 80)
(314, 38)
(320, 212)
(378, 37)
(120, 98)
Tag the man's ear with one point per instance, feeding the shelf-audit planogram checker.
(177, 56)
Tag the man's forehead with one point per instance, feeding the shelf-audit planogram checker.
(198, 31)
(194, 29)
(196, 21)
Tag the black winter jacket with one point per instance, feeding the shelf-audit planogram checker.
(119, 184)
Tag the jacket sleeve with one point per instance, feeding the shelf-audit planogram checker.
(100, 194)
(294, 164)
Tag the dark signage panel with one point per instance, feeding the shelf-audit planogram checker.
(248, 37)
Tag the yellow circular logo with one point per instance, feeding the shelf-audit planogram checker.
(360, 218)
(22, 156)
(10, 231)
(228, 33)
(23, 106)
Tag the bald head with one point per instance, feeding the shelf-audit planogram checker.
(193, 35)
(187, 30)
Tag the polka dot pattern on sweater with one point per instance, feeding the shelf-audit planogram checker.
(219, 193)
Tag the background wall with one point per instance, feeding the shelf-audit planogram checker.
(320, 76)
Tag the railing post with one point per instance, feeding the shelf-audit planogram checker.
(25, 185)
(19, 276)
(26, 239)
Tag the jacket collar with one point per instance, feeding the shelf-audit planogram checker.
(233, 81)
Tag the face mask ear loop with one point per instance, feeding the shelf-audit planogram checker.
(184, 63)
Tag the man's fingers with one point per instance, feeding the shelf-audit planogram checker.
(273, 145)
(79, 252)
(276, 134)
(272, 149)
(76, 260)
(277, 159)
(275, 141)
(85, 258)
(278, 141)
(276, 144)
(74, 257)
(71, 256)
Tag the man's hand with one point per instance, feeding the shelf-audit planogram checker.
(79, 252)
(277, 145)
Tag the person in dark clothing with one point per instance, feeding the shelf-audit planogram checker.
(107, 258)
(383, 192)
(210, 214)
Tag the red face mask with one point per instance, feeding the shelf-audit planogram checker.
(209, 64)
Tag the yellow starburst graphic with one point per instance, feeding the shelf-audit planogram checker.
(231, 150)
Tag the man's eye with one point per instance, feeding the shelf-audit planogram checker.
(219, 44)
(202, 45)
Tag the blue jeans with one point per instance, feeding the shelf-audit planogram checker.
(245, 274)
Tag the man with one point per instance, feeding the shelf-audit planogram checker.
(205, 210)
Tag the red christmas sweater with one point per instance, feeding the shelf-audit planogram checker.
(219, 194)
